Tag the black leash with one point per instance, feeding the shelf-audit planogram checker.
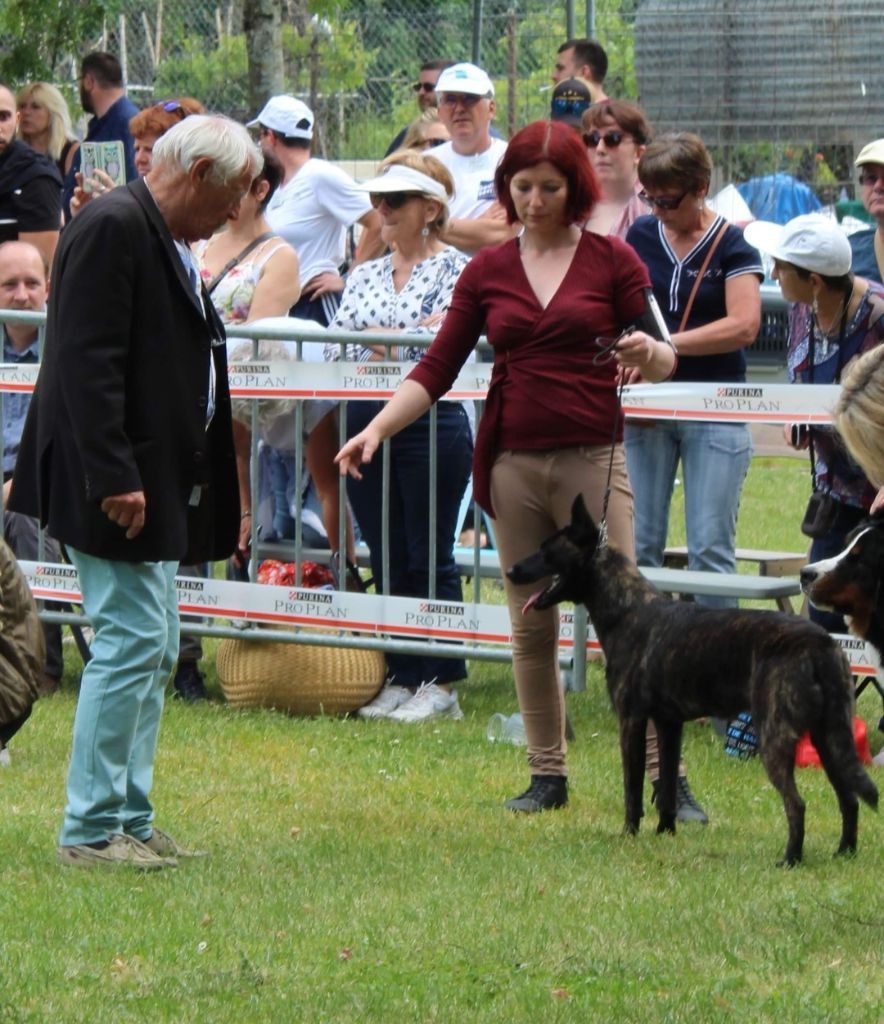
(606, 354)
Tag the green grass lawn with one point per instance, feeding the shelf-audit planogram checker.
(368, 872)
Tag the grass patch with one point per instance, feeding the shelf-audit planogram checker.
(368, 872)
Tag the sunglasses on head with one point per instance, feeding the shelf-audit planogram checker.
(561, 105)
(466, 99)
(172, 107)
(393, 199)
(663, 202)
(611, 139)
(424, 87)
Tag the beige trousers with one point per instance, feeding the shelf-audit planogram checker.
(532, 494)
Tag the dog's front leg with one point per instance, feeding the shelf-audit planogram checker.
(669, 745)
(632, 753)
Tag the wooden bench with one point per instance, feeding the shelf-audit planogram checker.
(770, 563)
(780, 589)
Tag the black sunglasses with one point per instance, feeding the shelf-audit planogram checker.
(611, 139)
(424, 87)
(394, 200)
(466, 99)
(871, 177)
(433, 143)
(664, 202)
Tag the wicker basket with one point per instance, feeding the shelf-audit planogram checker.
(302, 679)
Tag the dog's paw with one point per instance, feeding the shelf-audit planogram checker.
(630, 828)
(789, 862)
(666, 826)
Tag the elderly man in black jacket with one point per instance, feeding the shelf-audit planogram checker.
(127, 457)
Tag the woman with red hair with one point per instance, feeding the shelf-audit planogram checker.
(551, 302)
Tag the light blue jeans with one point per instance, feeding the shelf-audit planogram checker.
(134, 611)
(715, 459)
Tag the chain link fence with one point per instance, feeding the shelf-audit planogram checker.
(791, 86)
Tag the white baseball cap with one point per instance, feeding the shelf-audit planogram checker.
(286, 116)
(873, 153)
(811, 241)
(465, 78)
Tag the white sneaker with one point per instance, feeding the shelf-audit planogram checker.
(5, 761)
(430, 701)
(386, 702)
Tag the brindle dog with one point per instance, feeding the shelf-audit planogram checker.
(673, 661)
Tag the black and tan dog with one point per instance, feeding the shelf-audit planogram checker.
(672, 661)
(850, 584)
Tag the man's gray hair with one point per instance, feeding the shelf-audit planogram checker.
(223, 141)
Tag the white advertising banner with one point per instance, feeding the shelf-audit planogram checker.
(371, 614)
(732, 403)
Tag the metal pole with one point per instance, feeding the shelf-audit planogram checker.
(477, 31)
(570, 20)
(590, 19)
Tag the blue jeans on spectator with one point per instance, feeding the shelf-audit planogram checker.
(409, 519)
(280, 466)
(832, 544)
(715, 459)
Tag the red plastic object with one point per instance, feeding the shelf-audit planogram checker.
(282, 574)
(807, 757)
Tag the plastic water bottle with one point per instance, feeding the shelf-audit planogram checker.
(503, 729)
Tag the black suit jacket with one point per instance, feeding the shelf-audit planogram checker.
(121, 398)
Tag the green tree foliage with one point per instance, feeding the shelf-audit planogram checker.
(327, 56)
(43, 39)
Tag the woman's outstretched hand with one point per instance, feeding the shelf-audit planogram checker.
(357, 450)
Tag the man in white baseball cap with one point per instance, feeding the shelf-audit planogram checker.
(313, 207)
(287, 116)
(465, 95)
(836, 317)
(868, 246)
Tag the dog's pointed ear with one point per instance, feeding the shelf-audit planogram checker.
(581, 519)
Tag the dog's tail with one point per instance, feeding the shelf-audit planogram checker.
(837, 746)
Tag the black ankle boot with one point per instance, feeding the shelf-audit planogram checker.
(686, 806)
(545, 793)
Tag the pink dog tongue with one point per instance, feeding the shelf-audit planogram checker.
(529, 604)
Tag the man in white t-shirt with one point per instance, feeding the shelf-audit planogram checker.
(466, 107)
(313, 207)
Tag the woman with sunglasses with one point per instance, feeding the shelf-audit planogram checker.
(425, 132)
(410, 289)
(553, 303)
(684, 242)
(616, 133)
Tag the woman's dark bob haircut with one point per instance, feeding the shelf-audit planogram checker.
(560, 145)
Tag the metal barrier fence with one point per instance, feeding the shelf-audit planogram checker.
(380, 622)
(396, 624)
